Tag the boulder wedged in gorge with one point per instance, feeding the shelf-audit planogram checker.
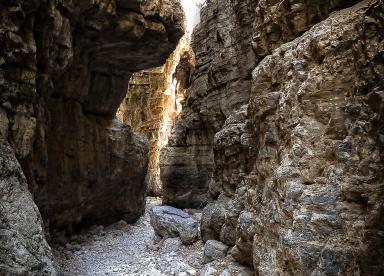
(64, 69)
(299, 171)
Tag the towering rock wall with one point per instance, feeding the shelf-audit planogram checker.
(153, 103)
(231, 39)
(220, 84)
(317, 111)
(64, 69)
(290, 151)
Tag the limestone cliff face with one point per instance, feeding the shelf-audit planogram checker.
(282, 128)
(153, 104)
(64, 69)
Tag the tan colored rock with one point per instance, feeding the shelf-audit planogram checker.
(322, 180)
(153, 104)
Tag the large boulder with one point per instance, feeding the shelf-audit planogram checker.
(168, 221)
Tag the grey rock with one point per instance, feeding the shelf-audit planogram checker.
(238, 270)
(168, 221)
(171, 245)
(23, 247)
(213, 218)
(214, 250)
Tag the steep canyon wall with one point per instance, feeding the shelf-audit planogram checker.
(64, 69)
(282, 135)
(154, 102)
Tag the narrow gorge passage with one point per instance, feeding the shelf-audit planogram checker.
(181, 137)
(151, 107)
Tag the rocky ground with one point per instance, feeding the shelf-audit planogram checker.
(122, 249)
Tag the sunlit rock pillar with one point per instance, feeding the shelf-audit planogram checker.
(153, 104)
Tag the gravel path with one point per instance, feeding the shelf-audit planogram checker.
(122, 249)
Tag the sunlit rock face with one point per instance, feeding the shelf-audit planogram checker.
(64, 69)
(282, 131)
(154, 102)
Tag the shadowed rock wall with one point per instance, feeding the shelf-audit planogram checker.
(65, 67)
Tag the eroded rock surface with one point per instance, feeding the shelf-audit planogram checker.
(232, 37)
(23, 248)
(283, 129)
(64, 69)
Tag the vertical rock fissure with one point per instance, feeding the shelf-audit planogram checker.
(154, 102)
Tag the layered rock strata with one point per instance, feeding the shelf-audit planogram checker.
(154, 102)
(65, 67)
(286, 136)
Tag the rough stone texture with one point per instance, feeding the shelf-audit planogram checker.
(214, 250)
(23, 248)
(64, 69)
(153, 103)
(294, 155)
(187, 161)
(168, 221)
(231, 38)
(319, 185)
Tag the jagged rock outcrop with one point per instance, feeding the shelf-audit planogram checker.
(291, 148)
(23, 248)
(319, 168)
(64, 69)
(229, 41)
(154, 102)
